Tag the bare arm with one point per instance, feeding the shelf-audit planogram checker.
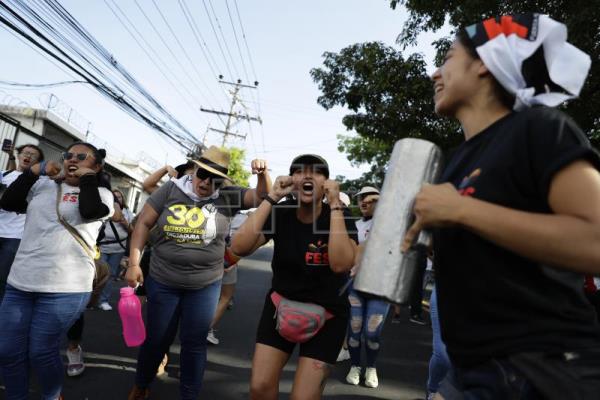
(145, 222)
(150, 184)
(118, 215)
(569, 238)
(11, 164)
(342, 249)
(249, 236)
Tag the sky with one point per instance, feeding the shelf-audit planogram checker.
(285, 41)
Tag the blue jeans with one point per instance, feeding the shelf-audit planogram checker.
(439, 364)
(8, 251)
(113, 260)
(367, 316)
(167, 308)
(33, 325)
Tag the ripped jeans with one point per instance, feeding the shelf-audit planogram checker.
(367, 316)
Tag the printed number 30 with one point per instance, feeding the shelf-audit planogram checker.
(193, 218)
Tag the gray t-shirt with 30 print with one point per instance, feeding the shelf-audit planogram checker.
(190, 239)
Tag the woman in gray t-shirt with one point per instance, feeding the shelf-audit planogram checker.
(192, 216)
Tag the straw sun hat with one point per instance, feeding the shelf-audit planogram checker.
(216, 161)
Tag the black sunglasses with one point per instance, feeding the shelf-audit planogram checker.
(79, 156)
(202, 174)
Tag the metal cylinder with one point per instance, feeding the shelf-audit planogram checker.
(385, 271)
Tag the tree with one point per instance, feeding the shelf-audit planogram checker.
(237, 157)
(582, 18)
(390, 97)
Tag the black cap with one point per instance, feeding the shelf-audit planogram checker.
(315, 160)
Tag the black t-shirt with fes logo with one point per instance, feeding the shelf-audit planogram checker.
(493, 302)
(301, 260)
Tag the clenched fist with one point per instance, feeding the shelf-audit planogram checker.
(331, 189)
(258, 166)
(282, 187)
(52, 168)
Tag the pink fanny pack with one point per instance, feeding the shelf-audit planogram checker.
(297, 321)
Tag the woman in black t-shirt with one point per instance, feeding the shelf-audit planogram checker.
(518, 216)
(314, 250)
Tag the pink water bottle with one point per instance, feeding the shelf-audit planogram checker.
(130, 311)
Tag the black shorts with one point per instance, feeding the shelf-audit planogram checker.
(324, 346)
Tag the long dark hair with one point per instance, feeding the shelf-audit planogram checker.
(507, 99)
(99, 155)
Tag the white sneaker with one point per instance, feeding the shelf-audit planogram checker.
(371, 378)
(104, 306)
(344, 355)
(353, 376)
(75, 366)
(211, 338)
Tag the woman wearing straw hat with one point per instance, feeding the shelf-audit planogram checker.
(192, 215)
(518, 217)
(314, 250)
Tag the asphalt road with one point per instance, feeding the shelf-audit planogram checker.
(110, 365)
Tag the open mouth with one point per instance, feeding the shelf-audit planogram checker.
(308, 188)
(71, 170)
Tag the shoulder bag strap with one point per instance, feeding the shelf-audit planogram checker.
(71, 229)
(114, 229)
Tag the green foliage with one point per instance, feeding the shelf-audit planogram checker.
(237, 157)
(582, 18)
(390, 97)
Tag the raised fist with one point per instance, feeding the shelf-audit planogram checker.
(258, 166)
(282, 187)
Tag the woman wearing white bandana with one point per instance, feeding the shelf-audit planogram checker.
(517, 218)
(192, 216)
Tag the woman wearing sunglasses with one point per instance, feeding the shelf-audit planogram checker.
(192, 217)
(51, 278)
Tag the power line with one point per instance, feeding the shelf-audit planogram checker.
(175, 87)
(245, 41)
(217, 37)
(115, 93)
(111, 62)
(40, 85)
(175, 58)
(199, 39)
(183, 50)
(237, 42)
(237, 75)
(198, 36)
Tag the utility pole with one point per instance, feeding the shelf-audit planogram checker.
(233, 117)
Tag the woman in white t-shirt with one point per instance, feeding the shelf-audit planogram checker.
(11, 223)
(51, 278)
